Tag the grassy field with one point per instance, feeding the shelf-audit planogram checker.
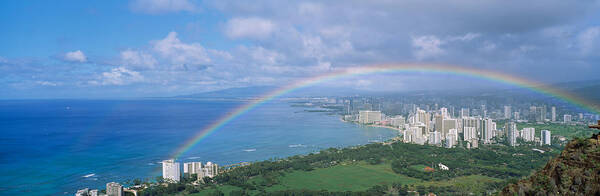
(466, 183)
(355, 177)
(342, 178)
(420, 168)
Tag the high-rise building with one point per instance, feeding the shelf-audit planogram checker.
(532, 114)
(528, 134)
(545, 137)
(423, 117)
(511, 133)
(516, 116)
(444, 113)
(580, 117)
(435, 138)
(507, 112)
(448, 124)
(450, 143)
(469, 133)
(192, 168)
(211, 169)
(488, 130)
(438, 121)
(407, 135)
(171, 170)
(398, 121)
(553, 114)
(567, 118)
(114, 189)
(368, 116)
(541, 114)
(471, 122)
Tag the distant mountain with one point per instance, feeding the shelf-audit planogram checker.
(258, 91)
(576, 171)
(587, 89)
(244, 92)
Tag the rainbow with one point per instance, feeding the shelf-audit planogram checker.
(387, 68)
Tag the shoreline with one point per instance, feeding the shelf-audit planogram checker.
(371, 125)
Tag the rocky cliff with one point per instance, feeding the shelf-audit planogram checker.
(576, 171)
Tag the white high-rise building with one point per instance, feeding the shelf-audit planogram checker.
(471, 122)
(507, 112)
(171, 170)
(511, 133)
(567, 118)
(444, 112)
(368, 117)
(450, 139)
(528, 134)
(211, 169)
(488, 130)
(435, 138)
(407, 136)
(545, 137)
(398, 121)
(516, 116)
(114, 189)
(553, 114)
(424, 118)
(192, 168)
(469, 133)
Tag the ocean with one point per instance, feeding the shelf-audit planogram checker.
(54, 147)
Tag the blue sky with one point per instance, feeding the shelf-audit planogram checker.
(137, 48)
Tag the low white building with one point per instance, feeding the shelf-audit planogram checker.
(443, 167)
(114, 189)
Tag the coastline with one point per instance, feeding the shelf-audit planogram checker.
(371, 125)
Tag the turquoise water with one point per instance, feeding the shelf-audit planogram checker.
(54, 147)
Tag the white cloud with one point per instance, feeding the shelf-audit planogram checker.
(119, 76)
(75, 56)
(427, 46)
(467, 37)
(253, 27)
(46, 83)
(162, 6)
(137, 59)
(180, 53)
(588, 40)
(264, 56)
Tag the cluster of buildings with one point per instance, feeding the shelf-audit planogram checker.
(172, 170)
(526, 134)
(441, 128)
(112, 189)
